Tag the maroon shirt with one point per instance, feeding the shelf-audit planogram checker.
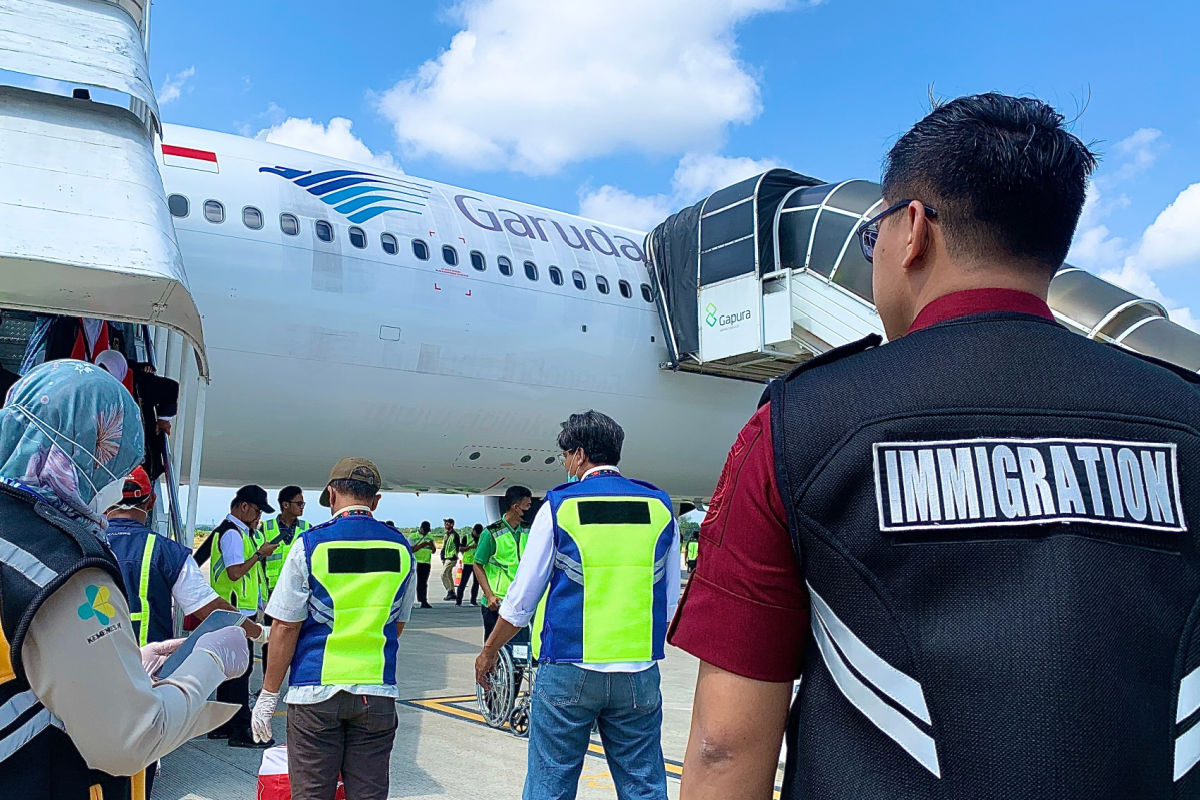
(745, 608)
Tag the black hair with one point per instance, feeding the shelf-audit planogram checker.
(355, 489)
(426, 527)
(1003, 174)
(513, 495)
(478, 528)
(598, 434)
(288, 493)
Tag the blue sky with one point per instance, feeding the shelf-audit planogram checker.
(629, 109)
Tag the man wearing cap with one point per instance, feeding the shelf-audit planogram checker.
(157, 570)
(449, 558)
(343, 598)
(237, 575)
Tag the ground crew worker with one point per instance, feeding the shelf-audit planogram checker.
(499, 552)
(693, 553)
(450, 544)
(340, 607)
(282, 530)
(985, 571)
(79, 714)
(237, 575)
(157, 570)
(470, 541)
(423, 546)
(604, 553)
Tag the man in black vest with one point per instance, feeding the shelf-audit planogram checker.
(982, 561)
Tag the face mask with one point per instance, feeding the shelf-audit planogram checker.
(108, 496)
(571, 476)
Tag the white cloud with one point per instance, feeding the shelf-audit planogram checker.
(174, 85)
(1169, 243)
(696, 176)
(334, 139)
(531, 86)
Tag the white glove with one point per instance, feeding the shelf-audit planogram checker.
(228, 646)
(264, 710)
(156, 653)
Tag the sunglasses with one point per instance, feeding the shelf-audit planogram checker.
(868, 232)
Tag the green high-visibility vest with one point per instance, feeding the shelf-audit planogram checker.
(274, 562)
(141, 618)
(424, 555)
(501, 568)
(354, 651)
(617, 575)
(467, 552)
(242, 594)
(693, 549)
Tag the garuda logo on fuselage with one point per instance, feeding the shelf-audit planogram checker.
(357, 195)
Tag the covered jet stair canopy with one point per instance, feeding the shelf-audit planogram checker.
(84, 214)
(768, 273)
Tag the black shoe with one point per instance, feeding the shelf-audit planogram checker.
(459, 603)
(449, 596)
(246, 740)
(218, 734)
(426, 605)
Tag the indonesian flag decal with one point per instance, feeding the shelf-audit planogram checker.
(189, 158)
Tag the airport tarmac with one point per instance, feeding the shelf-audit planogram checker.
(442, 748)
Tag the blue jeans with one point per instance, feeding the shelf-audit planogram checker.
(628, 706)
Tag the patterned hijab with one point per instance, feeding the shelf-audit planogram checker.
(68, 429)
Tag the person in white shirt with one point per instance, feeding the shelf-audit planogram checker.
(598, 649)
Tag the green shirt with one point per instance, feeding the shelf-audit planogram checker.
(487, 543)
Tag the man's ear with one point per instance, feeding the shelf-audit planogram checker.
(375, 501)
(919, 233)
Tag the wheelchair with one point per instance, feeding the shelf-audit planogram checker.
(510, 692)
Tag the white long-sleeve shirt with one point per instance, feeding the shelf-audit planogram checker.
(89, 674)
(537, 566)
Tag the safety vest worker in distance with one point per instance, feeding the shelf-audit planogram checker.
(501, 568)
(467, 551)
(607, 599)
(274, 562)
(693, 549)
(359, 569)
(424, 555)
(242, 594)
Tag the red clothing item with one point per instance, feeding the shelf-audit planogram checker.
(745, 608)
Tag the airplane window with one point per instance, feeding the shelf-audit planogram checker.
(358, 238)
(646, 294)
(179, 205)
(450, 255)
(289, 224)
(389, 244)
(420, 250)
(580, 281)
(214, 211)
(556, 276)
(602, 284)
(324, 231)
(477, 261)
(505, 266)
(531, 270)
(626, 291)
(252, 218)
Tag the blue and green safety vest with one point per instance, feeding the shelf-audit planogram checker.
(607, 599)
(358, 572)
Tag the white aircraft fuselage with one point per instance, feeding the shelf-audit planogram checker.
(450, 378)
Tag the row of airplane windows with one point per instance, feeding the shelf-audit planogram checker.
(252, 218)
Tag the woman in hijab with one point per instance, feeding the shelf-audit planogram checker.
(77, 708)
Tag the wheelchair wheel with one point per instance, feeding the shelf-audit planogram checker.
(519, 722)
(496, 703)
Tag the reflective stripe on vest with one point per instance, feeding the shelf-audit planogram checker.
(242, 593)
(273, 563)
(141, 618)
(608, 588)
(356, 600)
(501, 568)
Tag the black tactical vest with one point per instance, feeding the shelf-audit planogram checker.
(39, 551)
(996, 519)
